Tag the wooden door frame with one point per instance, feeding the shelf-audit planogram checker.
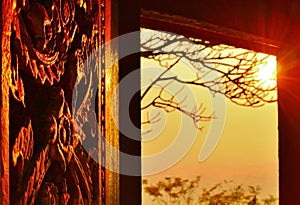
(172, 17)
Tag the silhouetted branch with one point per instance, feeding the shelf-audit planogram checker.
(222, 69)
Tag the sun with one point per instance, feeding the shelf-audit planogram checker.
(267, 73)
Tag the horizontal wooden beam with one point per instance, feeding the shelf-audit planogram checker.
(206, 31)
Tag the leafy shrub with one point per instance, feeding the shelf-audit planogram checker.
(175, 190)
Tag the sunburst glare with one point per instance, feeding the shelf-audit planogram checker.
(267, 73)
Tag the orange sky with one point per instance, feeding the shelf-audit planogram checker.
(247, 152)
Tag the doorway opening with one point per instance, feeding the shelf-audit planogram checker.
(209, 122)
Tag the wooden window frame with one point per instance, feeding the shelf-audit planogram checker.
(288, 58)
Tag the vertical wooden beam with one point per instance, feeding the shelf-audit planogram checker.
(6, 17)
(289, 125)
(130, 186)
(289, 107)
(111, 106)
(101, 104)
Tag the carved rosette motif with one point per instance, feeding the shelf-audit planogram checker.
(50, 43)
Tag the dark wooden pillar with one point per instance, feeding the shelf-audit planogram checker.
(5, 20)
(289, 107)
(289, 125)
(130, 186)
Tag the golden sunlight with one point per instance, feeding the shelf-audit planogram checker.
(267, 73)
(173, 144)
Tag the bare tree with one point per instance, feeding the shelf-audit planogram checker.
(220, 68)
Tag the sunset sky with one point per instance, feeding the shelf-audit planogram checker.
(247, 152)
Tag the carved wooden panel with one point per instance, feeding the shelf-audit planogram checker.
(50, 42)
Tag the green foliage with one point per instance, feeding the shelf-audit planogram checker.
(175, 191)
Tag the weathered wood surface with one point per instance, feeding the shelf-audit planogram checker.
(6, 15)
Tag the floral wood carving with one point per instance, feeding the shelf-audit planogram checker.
(43, 36)
(50, 42)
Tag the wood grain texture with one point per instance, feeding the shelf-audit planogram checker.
(6, 16)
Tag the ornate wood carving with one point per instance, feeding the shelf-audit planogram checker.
(50, 42)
